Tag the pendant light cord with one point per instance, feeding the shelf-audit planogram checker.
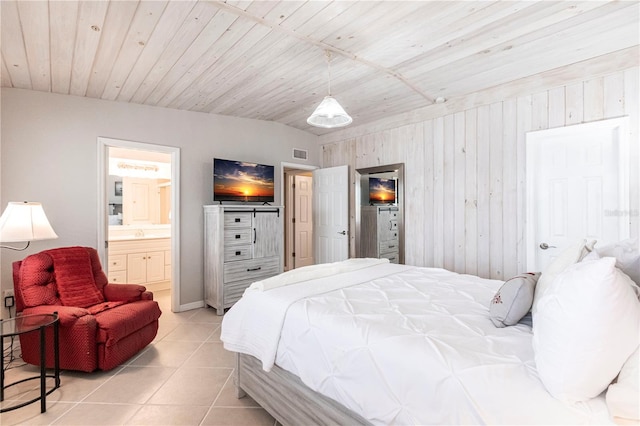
(328, 54)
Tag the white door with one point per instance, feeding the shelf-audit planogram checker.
(577, 187)
(303, 225)
(331, 214)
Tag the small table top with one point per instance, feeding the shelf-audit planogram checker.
(25, 323)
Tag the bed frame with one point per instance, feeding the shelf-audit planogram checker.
(286, 398)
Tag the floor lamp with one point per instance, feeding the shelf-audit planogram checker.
(24, 221)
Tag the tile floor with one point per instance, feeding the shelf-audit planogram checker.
(183, 378)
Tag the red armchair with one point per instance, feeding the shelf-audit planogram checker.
(101, 324)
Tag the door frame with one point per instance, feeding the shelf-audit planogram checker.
(288, 201)
(619, 128)
(398, 169)
(104, 144)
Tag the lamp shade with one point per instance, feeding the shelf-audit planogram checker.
(329, 114)
(25, 221)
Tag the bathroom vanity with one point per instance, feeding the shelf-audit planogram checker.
(140, 255)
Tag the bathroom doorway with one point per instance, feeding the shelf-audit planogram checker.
(138, 215)
(298, 209)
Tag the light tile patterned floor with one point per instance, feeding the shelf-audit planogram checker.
(183, 378)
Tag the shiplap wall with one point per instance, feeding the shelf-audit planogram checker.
(465, 171)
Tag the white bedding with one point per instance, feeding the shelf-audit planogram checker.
(409, 348)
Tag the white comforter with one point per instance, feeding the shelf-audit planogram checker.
(411, 347)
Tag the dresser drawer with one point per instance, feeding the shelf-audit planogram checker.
(238, 237)
(234, 253)
(390, 246)
(237, 220)
(253, 269)
(234, 291)
(393, 257)
(117, 262)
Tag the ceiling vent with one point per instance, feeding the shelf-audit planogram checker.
(300, 154)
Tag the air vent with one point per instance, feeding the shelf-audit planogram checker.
(300, 154)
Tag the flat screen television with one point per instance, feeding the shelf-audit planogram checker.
(382, 191)
(241, 181)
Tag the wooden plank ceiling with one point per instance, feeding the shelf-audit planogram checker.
(266, 59)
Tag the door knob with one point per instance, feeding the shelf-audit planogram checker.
(343, 233)
(545, 246)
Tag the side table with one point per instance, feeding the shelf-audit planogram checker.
(28, 324)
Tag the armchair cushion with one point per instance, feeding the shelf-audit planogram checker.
(121, 321)
(74, 277)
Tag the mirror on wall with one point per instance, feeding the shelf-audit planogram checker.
(379, 212)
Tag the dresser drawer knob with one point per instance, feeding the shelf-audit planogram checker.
(237, 236)
(254, 269)
(237, 220)
(238, 253)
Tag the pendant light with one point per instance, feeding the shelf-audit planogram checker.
(329, 113)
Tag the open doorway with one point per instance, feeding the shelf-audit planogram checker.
(138, 215)
(298, 229)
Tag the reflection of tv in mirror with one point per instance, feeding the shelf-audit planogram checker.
(382, 191)
(241, 181)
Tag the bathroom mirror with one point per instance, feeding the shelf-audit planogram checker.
(379, 212)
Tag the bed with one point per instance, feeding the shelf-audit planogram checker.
(369, 342)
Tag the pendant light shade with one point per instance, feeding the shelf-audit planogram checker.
(329, 113)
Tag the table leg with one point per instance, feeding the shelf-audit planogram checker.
(1, 366)
(56, 349)
(43, 372)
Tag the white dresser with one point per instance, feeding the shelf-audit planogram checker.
(242, 244)
(379, 232)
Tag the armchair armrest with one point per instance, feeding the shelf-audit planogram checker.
(124, 292)
(67, 315)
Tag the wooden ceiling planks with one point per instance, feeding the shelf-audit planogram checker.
(143, 24)
(34, 17)
(195, 22)
(13, 48)
(116, 24)
(168, 25)
(518, 58)
(265, 59)
(91, 17)
(63, 17)
(187, 66)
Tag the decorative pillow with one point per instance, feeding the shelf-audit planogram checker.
(514, 299)
(586, 326)
(567, 257)
(623, 397)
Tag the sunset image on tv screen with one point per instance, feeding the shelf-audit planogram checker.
(382, 190)
(240, 181)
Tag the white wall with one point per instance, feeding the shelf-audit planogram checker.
(48, 153)
(465, 166)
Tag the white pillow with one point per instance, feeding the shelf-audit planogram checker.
(627, 257)
(623, 397)
(567, 257)
(586, 326)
